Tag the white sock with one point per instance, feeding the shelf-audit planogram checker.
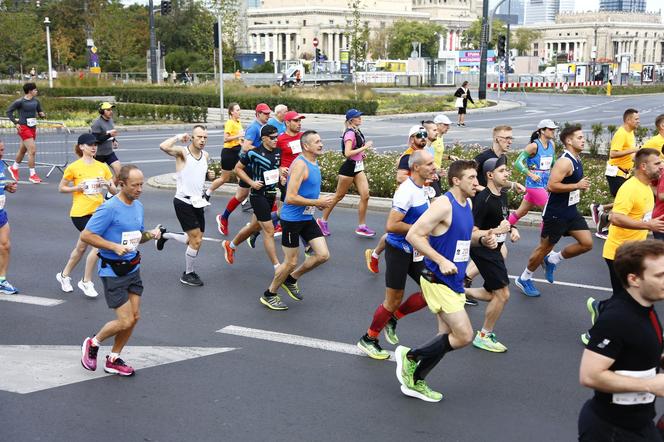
(15, 165)
(526, 275)
(95, 343)
(374, 254)
(179, 237)
(113, 356)
(189, 258)
(555, 257)
(32, 171)
(276, 265)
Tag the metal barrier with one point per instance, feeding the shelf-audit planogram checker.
(54, 149)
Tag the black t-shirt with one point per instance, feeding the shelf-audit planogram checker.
(480, 159)
(259, 160)
(631, 335)
(489, 210)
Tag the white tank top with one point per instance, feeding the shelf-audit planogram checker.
(190, 180)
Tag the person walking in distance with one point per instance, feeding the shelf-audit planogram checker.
(461, 103)
(230, 153)
(6, 186)
(103, 128)
(28, 108)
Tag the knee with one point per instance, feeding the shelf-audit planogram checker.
(127, 323)
(364, 196)
(322, 256)
(393, 301)
(503, 295)
(290, 263)
(137, 316)
(195, 242)
(268, 231)
(465, 336)
(5, 246)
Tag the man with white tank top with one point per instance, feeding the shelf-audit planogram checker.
(191, 165)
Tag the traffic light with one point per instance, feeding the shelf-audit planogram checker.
(318, 55)
(165, 7)
(501, 45)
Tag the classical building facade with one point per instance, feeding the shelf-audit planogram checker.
(455, 15)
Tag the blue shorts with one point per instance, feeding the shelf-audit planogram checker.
(3, 218)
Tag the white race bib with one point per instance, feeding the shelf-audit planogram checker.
(199, 202)
(462, 252)
(295, 146)
(359, 166)
(417, 256)
(574, 197)
(611, 170)
(545, 163)
(501, 237)
(430, 192)
(3, 198)
(309, 210)
(92, 187)
(271, 177)
(131, 239)
(31, 122)
(647, 217)
(637, 397)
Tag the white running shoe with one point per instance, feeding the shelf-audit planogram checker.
(65, 283)
(88, 288)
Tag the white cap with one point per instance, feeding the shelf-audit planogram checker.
(442, 119)
(549, 124)
(415, 129)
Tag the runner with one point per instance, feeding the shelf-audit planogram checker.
(490, 219)
(657, 142)
(535, 161)
(260, 169)
(252, 140)
(302, 198)
(116, 229)
(6, 185)
(28, 109)
(432, 138)
(443, 126)
(103, 128)
(443, 234)
(86, 179)
(278, 119)
(191, 166)
(561, 216)
(354, 148)
(410, 201)
(623, 357)
(230, 153)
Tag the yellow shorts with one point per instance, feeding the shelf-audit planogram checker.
(441, 298)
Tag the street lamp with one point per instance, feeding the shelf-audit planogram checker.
(48, 50)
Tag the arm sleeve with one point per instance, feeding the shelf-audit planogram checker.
(401, 200)
(469, 97)
(98, 132)
(458, 93)
(403, 162)
(479, 212)
(520, 162)
(10, 111)
(39, 108)
(100, 221)
(604, 339)
(68, 174)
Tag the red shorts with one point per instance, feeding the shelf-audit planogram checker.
(26, 132)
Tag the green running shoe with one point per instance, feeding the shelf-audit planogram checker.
(391, 331)
(405, 367)
(293, 291)
(593, 307)
(489, 343)
(273, 302)
(372, 348)
(422, 391)
(585, 338)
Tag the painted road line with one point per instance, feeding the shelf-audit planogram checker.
(35, 300)
(570, 284)
(302, 341)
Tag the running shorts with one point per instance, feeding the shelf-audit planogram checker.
(537, 196)
(348, 168)
(491, 265)
(108, 159)
(3, 218)
(118, 288)
(80, 221)
(292, 230)
(400, 265)
(189, 216)
(555, 228)
(229, 157)
(441, 298)
(262, 205)
(614, 184)
(593, 428)
(26, 132)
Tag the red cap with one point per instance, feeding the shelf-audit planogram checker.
(262, 107)
(292, 115)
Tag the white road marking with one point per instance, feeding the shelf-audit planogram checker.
(570, 284)
(35, 300)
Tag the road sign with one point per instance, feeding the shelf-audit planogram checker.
(315, 42)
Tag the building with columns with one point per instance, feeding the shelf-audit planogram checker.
(455, 15)
(641, 35)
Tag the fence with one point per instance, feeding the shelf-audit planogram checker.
(54, 148)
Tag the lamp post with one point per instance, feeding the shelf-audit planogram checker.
(48, 50)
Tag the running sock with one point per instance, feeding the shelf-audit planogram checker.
(95, 342)
(15, 165)
(291, 280)
(555, 257)
(32, 171)
(232, 205)
(3, 278)
(485, 332)
(374, 254)
(361, 226)
(380, 318)
(269, 294)
(113, 356)
(513, 219)
(414, 303)
(189, 259)
(275, 266)
(179, 237)
(526, 275)
(232, 245)
(430, 355)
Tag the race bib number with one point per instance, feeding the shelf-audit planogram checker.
(309, 210)
(92, 187)
(501, 237)
(131, 239)
(417, 256)
(359, 166)
(545, 163)
(295, 146)
(462, 251)
(637, 397)
(31, 122)
(3, 198)
(430, 192)
(574, 197)
(199, 202)
(611, 170)
(647, 217)
(271, 177)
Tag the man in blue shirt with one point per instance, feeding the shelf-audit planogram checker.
(116, 229)
(278, 120)
(6, 185)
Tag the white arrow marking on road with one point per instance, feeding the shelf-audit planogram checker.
(302, 341)
(36, 300)
(30, 368)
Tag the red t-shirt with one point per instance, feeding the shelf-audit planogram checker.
(659, 205)
(290, 148)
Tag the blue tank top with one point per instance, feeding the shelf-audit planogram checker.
(563, 205)
(540, 165)
(3, 183)
(454, 245)
(309, 188)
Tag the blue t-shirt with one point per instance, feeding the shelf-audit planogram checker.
(281, 127)
(411, 200)
(117, 222)
(253, 133)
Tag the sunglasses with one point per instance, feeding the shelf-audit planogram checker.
(273, 137)
(265, 113)
(421, 135)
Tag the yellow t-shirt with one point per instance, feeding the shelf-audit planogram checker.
(232, 128)
(655, 142)
(85, 203)
(623, 140)
(635, 200)
(438, 151)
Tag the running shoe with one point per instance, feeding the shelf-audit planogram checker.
(602, 235)
(325, 230)
(471, 301)
(273, 302)
(372, 263)
(88, 288)
(405, 367)
(89, 355)
(365, 231)
(229, 252)
(65, 283)
(159, 243)
(293, 290)
(34, 179)
(585, 338)
(372, 348)
(118, 367)
(13, 172)
(593, 307)
(527, 287)
(488, 342)
(549, 269)
(191, 279)
(390, 331)
(603, 223)
(422, 391)
(252, 240)
(308, 251)
(594, 212)
(467, 281)
(278, 231)
(222, 225)
(7, 289)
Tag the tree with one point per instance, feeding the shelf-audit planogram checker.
(358, 34)
(23, 40)
(404, 32)
(471, 36)
(523, 39)
(125, 47)
(378, 43)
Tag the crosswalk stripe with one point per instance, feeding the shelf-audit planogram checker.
(35, 300)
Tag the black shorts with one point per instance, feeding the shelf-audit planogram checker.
(555, 228)
(400, 265)
(292, 230)
(108, 159)
(262, 205)
(80, 221)
(348, 168)
(614, 184)
(189, 216)
(229, 157)
(593, 428)
(462, 111)
(491, 264)
(117, 288)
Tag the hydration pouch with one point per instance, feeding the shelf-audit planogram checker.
(121, 267)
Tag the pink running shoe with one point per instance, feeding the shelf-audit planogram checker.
(89, 355)
(323, 226)
(13, 172)
(118, 367)
(364, 231)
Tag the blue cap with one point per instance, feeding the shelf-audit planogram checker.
(88, 139)
(352, 113)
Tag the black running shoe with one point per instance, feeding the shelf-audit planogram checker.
(252, 239)
(471, 301)
(191, 279)
(467, 282)
(161, 241)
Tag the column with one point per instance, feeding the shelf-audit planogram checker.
(288, 55)
(266, 47)
(328, 51)
(275, 46)
(335, 46)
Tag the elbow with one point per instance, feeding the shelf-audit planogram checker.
(586, 380)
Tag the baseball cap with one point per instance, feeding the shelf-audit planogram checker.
(442, 119)
(268, 130)
(88, 139)
(415, 130)
(493, 163)
(292, 115)
(106, 105)
(264, 108)
(352, 113)
(549, 124)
